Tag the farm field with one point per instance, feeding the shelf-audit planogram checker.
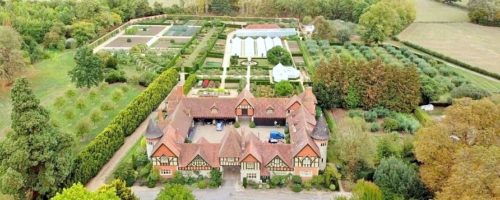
(473, 44)
(433, 11)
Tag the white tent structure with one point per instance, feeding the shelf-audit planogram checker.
(283, 73)
(279, 32)
(269, 43)
(236, 47)
(277, 42)
(261, 47)
(249, 47)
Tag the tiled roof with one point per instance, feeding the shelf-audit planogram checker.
(231, 144)
(203, 107)
(321, 131)
(252, 144)
(261, 106)
(270, 151)
(206, 151)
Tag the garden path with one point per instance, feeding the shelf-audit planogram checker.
(226, 62)
(108, 169)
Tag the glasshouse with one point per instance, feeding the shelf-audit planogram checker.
(284, 73)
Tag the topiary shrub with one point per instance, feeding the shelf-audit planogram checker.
(203, 184)
(332, 187)
(245, 182)
(105, 106)
(296, 179)
(96, 116)
(81, 104)
(70, 43)
(252, 124)
(116, 95)
(129, 40)
(69, 114)
(236, 125)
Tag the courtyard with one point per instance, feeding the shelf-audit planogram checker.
(209, 132)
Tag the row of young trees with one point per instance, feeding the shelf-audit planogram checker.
(342, 82)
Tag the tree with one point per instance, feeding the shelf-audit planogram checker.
(78, 191)
(88, 70)
(35, 158)
(438, 145)
(11, 56)
(283, 88)
(121, 189)
(175, 192)
(398, 179)
(83, 31)
(365, 190)
(378, 22)
(126, 173)
(215, 178)
(221, 7)
(277, 55)
(474, 174)
(484, 12)
(307, 20)
(356, 149)
(323, 29)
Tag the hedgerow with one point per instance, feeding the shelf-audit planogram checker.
(98, 152)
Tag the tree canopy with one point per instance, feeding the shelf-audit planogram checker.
(283, 88)
(175, 192)
(467, 134)
(365, 190)
(277, 55)
(11, 56)
(78, 192)
(88, 71)
(35, 158)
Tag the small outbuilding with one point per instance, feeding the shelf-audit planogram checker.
(284, 73)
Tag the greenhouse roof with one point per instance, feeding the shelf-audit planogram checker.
(281, 32)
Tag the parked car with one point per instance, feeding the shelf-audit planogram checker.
(276, 135)
(219, 126)
(273, 141)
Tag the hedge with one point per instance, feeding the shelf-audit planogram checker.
(422, 116)
(98, 152)
(452, 60)
(190, 82)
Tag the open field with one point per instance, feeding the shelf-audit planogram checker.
(432, 11)
(473, 44)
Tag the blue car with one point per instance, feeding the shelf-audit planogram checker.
(276, 135)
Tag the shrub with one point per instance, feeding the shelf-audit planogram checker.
(370, 116)
(129, 40)
(332, 187)
(70, 93)
(92, 94)
(105, 106)
(59, 102)
(81, 104)
(215, 178)
(116, 95)
(70, 43)
(245, 182)
(381, 112)
(146, 78)
(430, 71)
(96, 116)
(307, 185)
(278, 181)
(131, 31)
(283, 88)
(252, 124)
(203, 184)
(124, 88)
(69, 114)
(318, 181)
(189, 83)
(374, 127)
(390, 124)
(236, 124)
(469, 91)
(407, 123)
(296, 179)
(355, 113)
(277, 55)
(296, 187)
(153, 178)
(83, 127)
(115, 76)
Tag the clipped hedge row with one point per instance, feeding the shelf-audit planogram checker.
(453, 60)
(190, 82)
(101, 149)
(422, 116)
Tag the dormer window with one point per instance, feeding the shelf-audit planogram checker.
(214, 111)
(270, 111)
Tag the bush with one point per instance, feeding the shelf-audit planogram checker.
(469, 91)
(83, 127)
(308, 185)
(370, 116)
(59, 102)
(115, 76)
(252, 124)
(203, 184)
(283, 88)
(390, 124)
(318, 181)
(236, 124)
(245, 182)
(278, 181)
(381, 112)
(296, 179)
(81, 104)
(332, 187)
(105, 106)
(98, 152)
(430, 71)
(70, 93)
(92, 94)
(215, 178)
(153, 178)
(296, 187)
(277, 55)
(69, 114)
(96, 116)
(70, 43)
(374, 127)
(189, 83)
(355, 113)
(116, 95)
(146, 78)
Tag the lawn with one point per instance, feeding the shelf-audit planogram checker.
(50, 82)
(433, 11)
(128, 156)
